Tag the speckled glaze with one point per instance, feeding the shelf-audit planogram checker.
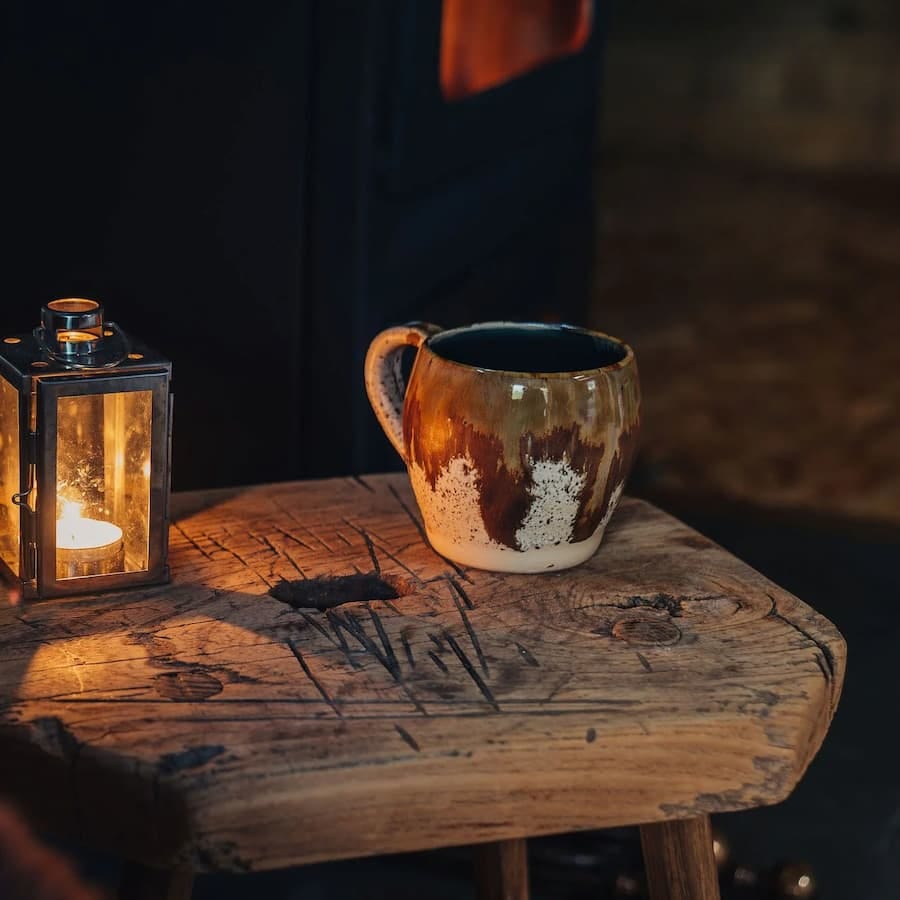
(512, 471)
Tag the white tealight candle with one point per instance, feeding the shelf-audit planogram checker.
(86, 546)
(75, 533)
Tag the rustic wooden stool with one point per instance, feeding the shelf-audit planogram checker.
(316, 683)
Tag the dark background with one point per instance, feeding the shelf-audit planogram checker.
(256, 193)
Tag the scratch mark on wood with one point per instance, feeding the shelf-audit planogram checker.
(355, 628)
(293, 562)
(376, 565)
(265, 540)
(407, 649)
(318, 537)
(244, 562)
(344, 538)
(363, 483)
(292, 537)
(190, 540)
(644, 662)
(437, 642)
(562, 684)
(527, 655)
(25, 621)
(412, 516)
(471, 670)
(342, 641)
(473, 637)
(313, 623)
(461, 592)
(385, 640)
(438, 661)
(408, 738)
(460, 571)
(315, 681)
(399, 562)
(827, 655)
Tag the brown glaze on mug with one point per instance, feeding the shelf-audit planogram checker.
(512, 471)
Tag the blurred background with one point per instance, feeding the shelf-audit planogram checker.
(257, 191)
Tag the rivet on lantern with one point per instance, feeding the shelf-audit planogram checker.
(84, 478)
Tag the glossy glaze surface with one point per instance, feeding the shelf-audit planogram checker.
(518, 471)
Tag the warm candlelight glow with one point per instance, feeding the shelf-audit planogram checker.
(73, 532)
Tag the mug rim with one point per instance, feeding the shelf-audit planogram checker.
(626, 360)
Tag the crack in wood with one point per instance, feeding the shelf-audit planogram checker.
(473, 637)
(313, 623)
(370, 546)
(827, 655)
(421, 529)
(412, 517)
(461, 592)
(191, 540)
(355, 628)
(408, 738)
(363, 483)
(385, 641)
(644, 662)
(438, 662)
(315, 681)
(407, 649)
(527, 655)
(244, 562)
(344, 538)
(342, 641)
(292, 537)
(318, 537)
(471, 670)
(281, 555)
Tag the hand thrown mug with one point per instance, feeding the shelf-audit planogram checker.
(518, 438)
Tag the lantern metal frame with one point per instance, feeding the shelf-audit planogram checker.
(41, 377)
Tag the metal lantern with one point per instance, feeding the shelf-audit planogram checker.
(85, 435)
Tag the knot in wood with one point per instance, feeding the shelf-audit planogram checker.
(646, 631)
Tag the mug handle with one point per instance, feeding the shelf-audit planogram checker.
(384, 377)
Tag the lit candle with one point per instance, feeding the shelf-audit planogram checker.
(86, 546)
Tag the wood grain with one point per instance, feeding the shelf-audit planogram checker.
(208, 724)
(678, 857)
(501, 870)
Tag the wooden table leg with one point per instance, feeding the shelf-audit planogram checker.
(501, 870)
(139, 882)
(678, 857)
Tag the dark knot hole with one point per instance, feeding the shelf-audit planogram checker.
(328, 591)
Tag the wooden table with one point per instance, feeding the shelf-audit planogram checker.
(209, 725)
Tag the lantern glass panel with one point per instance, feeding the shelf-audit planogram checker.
(10, 483)
(103, 470)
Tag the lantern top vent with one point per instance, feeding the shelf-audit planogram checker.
(74, 333)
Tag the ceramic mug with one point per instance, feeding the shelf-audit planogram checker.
(517, 437)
